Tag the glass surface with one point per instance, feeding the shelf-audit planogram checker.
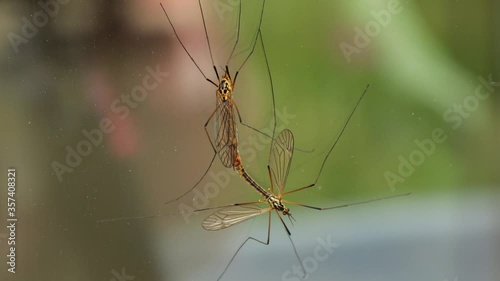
(103, 114)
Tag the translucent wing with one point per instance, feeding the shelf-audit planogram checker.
(280, 159)
(225, 128)
(230, 216)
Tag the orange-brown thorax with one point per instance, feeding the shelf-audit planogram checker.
(225, 89)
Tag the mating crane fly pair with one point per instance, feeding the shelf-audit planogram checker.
(225, 145)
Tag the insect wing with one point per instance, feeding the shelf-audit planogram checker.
(230, 216)
(225, 128)
(281, 158)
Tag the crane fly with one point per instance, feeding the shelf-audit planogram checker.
(225, 143)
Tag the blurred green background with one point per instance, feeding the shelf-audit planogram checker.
(422, 64)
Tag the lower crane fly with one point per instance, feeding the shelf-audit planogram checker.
(280, 159)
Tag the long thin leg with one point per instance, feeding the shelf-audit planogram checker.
(346, 205)
(341, 133)
(291, 241)
(211, 161)
(271, 179)
(198, 182)
(179, 213)
(184, 47)
(259, 35)
(254, 43)
(208, 41)
(298, 189)
(248, 126)
(333, 146)
(270, 80)
(273, 99)
(248, 239)
(237, 36)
